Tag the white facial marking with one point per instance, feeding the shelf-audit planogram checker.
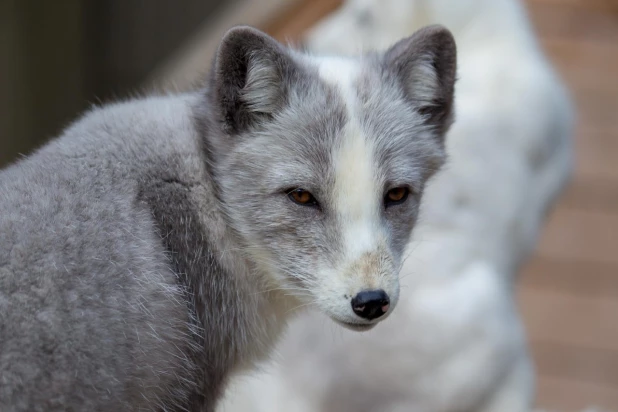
(357, 190)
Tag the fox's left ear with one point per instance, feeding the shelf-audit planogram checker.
(426, 65)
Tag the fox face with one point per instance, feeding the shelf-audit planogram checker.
(320, 162)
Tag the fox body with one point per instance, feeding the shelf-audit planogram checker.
(159, 245)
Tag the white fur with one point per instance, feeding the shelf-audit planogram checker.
(455, 341)
(356, 190)
(357, 197)
(356, 182)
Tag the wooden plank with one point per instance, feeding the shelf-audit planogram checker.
(586, 79)
(596, 154)
(567, 319)
(597, 110)
(571, 277)
(573, 22)
(577, 363)
(580, 235)
(607, 6)
(592, 194)
(558, 394)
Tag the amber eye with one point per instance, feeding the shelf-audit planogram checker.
(302, 197)
(396, 196)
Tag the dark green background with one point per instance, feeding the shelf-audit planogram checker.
(59, 56)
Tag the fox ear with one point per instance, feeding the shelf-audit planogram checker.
(426, 65)
(249, 78)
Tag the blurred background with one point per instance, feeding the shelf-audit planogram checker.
(57, 58)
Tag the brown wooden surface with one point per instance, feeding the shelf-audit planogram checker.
(568, 293)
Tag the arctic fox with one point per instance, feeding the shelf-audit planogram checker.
(159, 245)
(455, 342)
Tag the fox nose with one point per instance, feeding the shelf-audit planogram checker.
(370, 304)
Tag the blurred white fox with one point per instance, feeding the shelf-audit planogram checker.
(455, 342)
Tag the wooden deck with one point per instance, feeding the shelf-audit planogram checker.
(568, 293)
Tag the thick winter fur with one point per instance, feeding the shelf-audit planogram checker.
(152, 250)
(455, 342)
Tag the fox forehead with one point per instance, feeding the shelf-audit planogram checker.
(349, 132)
(353, 159)
(357, 188)
(383, 140)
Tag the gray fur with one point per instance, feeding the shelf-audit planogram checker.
(426, 65)
(149, 252)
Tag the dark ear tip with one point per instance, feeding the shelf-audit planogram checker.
(437, 34)
(239, 39)
(434, 37)
(435, 29)
(440, 39)
(242, 30)
(234, 43)
(244, 33)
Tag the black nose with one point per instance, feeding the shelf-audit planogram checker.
(370, 304)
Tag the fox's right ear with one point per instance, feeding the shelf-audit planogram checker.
(426, 65)
(250, 78)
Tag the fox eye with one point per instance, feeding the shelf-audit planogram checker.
(396, 196)
(302, 197)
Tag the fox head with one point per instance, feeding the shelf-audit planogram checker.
(320, 162)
